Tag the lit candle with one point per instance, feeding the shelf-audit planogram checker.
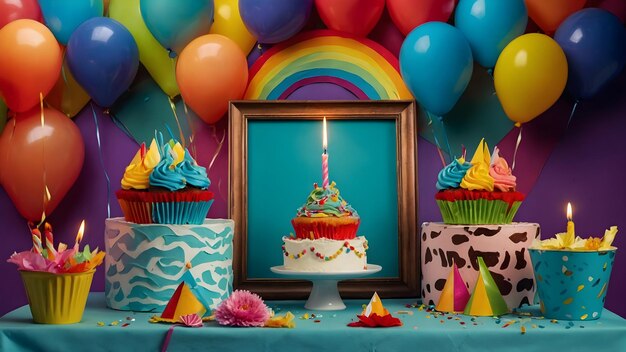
(324, 156)
(79, 235)
(49, 241)
(570, 235)
(36, 236)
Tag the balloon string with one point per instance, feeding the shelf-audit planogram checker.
(46, 191)
(220, 143)
(180, 129)
(519, 140)
(572, 113)
(106, 175)
(432, 127)
(194, 154)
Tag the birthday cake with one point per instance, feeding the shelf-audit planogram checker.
(325, 235)
(478, 200)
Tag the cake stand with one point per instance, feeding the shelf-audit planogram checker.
(325, 294)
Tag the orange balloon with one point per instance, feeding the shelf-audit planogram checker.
(28, 151)
(548, 14)
(29, 65)
(211, 71)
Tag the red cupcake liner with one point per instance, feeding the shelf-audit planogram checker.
(139, 206)
(325, 229)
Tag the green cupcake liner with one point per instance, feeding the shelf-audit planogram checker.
(477, 212)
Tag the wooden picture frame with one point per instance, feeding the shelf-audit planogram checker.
(400, 112)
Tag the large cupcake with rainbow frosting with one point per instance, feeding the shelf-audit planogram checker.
(326, 215)
(164, 185)
(481, 191)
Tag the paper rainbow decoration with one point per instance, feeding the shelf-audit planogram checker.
(185, 300)
(455, 295)
(359, 65)
(486, 299)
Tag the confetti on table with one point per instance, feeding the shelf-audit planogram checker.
(523, 329)
(100, 323)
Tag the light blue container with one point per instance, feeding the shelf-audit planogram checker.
(572, 285)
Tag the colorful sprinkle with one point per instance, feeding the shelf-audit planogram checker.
(523, 329)
(584, 316)
(568, 301)
(100, 323)
(580, 287)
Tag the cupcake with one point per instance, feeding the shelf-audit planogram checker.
(479, 192)
(326, 215)
(165, 185)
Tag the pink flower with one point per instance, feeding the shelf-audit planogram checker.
(242, 308)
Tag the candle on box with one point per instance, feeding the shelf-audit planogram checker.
(49, 241)
(324, 156)
(36, 236)
(570, 234)
(79, 235)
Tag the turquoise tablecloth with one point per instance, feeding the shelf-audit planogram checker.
(422, 331)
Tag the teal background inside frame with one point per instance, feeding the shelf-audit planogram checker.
(284, 160)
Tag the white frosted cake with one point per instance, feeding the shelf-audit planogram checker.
(145, 263)
(325, 255)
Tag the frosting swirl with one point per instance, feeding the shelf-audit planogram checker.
(503, 178)
(166, 174)
(137, 173)
(452, 175)
(477, 177)
(324, 202)
(195, 174)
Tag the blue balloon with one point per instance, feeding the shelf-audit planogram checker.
(594, 42)
(175, 23)
(272, 21)
(489, 25)
(62, 17)
(436, 65)
(103, 57)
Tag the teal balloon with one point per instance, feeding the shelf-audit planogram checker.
(63, 16)
(490, 25)
(175, 23)
(436, 65)
(3, 115)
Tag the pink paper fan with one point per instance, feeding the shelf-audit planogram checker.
(191, 320)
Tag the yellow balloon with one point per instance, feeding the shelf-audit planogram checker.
(152, 55)
(530, 76)
(228, 23)
(67, 95)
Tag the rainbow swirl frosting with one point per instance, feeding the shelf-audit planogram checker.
(326, 202)
(477, 177)
(503, 178)
(452, 175)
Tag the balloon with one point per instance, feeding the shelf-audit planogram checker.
(272, 21)
(408, 14)
(11, 10)
(211, 71)
(30, 152)
(489, 25)
(175, 23)
(104, 59)
(594, 42)
(548, 14)
(530, 76)
(3, 115)
(67, 95)
(356, 17)
(436, 65)
(228, 23)
(29, 65)
(152, 55)
(64, 16)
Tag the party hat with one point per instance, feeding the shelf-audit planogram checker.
(375, 307)
(187, 299)
(486, 299)
(455, 295)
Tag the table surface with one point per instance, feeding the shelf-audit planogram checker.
(422, 330)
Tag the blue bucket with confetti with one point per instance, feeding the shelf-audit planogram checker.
(572, 285)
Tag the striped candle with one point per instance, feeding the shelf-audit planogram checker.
(324, 156)
(49, 241)
(36, 241)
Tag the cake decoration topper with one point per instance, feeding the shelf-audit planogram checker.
(375, 315)
(486, 300)
(455, 295)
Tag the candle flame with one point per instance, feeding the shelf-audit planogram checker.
(81, 230)
(325, 137)
(569, 211)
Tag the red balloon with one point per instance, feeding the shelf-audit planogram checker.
(356, 17)
(548, 14)
(408, 14)
(30, 63)
(28, 151)
(11, 10)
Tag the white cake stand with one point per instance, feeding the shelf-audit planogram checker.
(325, 294)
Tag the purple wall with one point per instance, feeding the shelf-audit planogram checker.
(585, 168)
